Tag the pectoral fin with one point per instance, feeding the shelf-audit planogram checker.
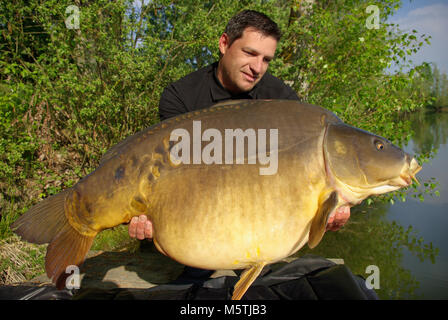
(319, 223)
(246, 279)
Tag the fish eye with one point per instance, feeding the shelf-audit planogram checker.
(379, 145)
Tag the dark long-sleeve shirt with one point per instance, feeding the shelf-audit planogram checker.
(202, 89)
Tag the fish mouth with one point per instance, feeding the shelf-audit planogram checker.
(408, 173)
(354, 195)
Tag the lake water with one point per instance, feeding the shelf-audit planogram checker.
(428, 218)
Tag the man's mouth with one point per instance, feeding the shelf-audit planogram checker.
(249, 77)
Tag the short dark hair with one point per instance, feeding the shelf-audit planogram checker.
(250, 18)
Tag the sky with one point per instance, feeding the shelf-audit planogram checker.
(428, 17)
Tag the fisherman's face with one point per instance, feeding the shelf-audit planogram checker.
(245, 61)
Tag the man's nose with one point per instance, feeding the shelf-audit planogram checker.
(257, 65)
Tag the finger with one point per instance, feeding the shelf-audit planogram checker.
(330, 222)
(339, 218)
(132, 229)
(342, 215)
(141, 227)
(148, 229)
(345, 215)
(334, 227)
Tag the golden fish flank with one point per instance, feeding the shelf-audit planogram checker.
(340, 148)
(222, 216)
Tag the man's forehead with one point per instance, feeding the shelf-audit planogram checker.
(251, 40)
(251, 32)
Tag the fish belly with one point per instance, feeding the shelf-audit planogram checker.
(227, 222)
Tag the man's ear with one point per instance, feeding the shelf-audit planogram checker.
(223, 43)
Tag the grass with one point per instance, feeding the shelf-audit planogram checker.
(20, 261)
(115, 239)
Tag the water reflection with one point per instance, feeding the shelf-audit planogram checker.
(430, 217)
(370, 239)
(431, 131)
(407, 240)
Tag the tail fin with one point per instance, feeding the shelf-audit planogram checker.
(43, 221)
(46, 223)
(68, 248)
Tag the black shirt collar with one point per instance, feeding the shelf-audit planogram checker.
(219, 93)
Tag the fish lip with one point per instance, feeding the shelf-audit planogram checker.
(406, 179)
(408, 174)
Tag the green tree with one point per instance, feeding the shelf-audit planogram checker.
(431, 84)
(440, 88)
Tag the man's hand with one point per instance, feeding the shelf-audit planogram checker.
(140, 227)
(339, 219)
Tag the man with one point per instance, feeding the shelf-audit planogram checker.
(246, 48)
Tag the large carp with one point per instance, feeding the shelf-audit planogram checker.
(218, 209)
